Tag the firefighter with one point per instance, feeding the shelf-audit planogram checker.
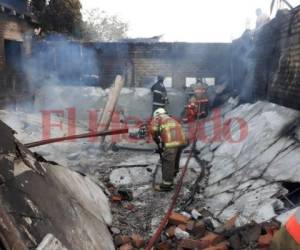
(197, 106)
(160, 98)
(288, 237)
(169, 136)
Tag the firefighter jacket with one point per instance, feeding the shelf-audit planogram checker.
(168, 130)
(293, 226)
(160, 97)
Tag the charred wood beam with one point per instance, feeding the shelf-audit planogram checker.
(9, 234)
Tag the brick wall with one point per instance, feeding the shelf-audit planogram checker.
(143, 61)
(277, 48)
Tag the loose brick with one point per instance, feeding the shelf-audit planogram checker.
(182, 227)
(212, 239)
(171, 231)
(137, 241)
(192, 244)
(116, 198)
(164, 246)
(221, 246)
(127, 246)
(265, 240)
(177, 219)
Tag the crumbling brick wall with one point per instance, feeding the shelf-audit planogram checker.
(277, 49)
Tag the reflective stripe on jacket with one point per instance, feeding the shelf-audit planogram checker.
(169, 130)
(159, 94)
(293, 226)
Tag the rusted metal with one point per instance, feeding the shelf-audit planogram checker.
(74, 137)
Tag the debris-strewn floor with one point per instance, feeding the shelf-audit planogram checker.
(241, 178)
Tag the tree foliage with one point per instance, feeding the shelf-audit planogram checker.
(99, 26)
(62, 16)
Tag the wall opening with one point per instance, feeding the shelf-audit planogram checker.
(13, 54)
(168, 82)
(292, 198)
(190, 81)
(13, 62)
(210, 81)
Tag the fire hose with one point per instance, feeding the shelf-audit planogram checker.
(74, 137)
(165, 219)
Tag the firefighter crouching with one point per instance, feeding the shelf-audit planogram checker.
(288, 237)
(169, 136)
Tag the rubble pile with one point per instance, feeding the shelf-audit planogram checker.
(195, 230)
(242, 182)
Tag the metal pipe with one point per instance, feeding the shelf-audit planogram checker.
(74, 137)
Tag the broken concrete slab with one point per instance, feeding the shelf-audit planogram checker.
(43, 198)
(243, 173)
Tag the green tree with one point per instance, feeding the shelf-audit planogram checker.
(62, 16)
(99, 26)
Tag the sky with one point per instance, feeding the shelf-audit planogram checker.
(185, 20)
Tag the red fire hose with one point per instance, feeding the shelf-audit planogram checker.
(80, 136)
(164, 221)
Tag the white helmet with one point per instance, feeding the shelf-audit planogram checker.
(159, 111)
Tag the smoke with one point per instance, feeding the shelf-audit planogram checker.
(243, 66)
(57, 60)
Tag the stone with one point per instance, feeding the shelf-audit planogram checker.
(50, 242)
(115, 230)
(180, 234)
(177, 219)
(186, 214)
(195, 214)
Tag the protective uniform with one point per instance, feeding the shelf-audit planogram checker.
(160, 98)
(166, 130)
(288, 237)
(198, 103)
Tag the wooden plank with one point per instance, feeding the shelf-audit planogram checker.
(111, 103)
